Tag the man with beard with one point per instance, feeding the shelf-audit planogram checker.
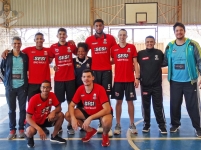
(100, 45)
(183, 57)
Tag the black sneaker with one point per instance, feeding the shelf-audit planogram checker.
(174, 128)
(163, 130)
(30, 142)
(57, 139)
(146, 129)
(70, 130)
(46, 130)
(60, 130)
(198, 133)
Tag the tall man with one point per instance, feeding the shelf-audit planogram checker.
(64, 78)
(150, 61)
(14, 76)
(96, 105)
(100, 45)
(39, 115)
(124, 56)
(183, 57)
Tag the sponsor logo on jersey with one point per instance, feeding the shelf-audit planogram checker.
(129, 50)
(64, 57)
(68, 49)
(174, 50)
(145, 58)
(82, 95)
(39, 105)
(94, 43)
(105, 41)
(156, 57)
(124, 56)
(100, 49)
(50, 101)
(78, 66)
(45, 53)
(94, 96)
(89, 103)
(56, 50)
(33, 51)
(108, 86)
(39, 58)
(88, 65)
(116, 50)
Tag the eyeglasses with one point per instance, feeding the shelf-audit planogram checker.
(46, 87)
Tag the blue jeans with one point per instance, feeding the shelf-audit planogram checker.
(11, 96)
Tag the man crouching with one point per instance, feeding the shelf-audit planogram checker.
(39, 115)
(95, 106)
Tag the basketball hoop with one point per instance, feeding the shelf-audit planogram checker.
(141, 22)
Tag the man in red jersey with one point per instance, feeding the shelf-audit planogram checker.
(39, 115)
(64, 78)
(39, 69)
(95, 106)
(100, 45)
(124, 57)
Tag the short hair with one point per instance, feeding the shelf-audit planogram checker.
(46, 81)
(39, 33)
(99, 20)
(83, 45)
(180, 25)
(16, 38)
(62, 30)
(150, 36)
(88, 70)
(123, 30)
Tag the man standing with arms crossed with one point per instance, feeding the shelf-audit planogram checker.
(64, 79)
(183, 57)
(100, 45)
(150, 61)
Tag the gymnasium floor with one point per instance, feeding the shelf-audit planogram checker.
(185, 139)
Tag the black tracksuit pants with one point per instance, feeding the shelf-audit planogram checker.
(154, 93)
(192, 99)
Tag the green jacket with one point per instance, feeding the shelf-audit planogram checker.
(193, 58)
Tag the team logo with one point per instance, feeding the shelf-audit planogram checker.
(45, 52)
(68, 49)
(88, 65)
(105, 41)
(145, 58)
(129, 50)
(56, 50)
(123, 56)
(116, 94)
(94, 96)
(174, 50)
(131, 94)
(78, 66)
(156, 57)
(50, 101)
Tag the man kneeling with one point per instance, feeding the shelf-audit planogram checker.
(96, 105)
(39, 115)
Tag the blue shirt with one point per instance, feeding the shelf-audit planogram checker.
(17, 72)
(179, 64)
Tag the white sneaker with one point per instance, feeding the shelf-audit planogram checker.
(117, 129)
(110, 134)
(100, 128)
(133, 129)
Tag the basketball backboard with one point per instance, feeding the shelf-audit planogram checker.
(141, 12)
